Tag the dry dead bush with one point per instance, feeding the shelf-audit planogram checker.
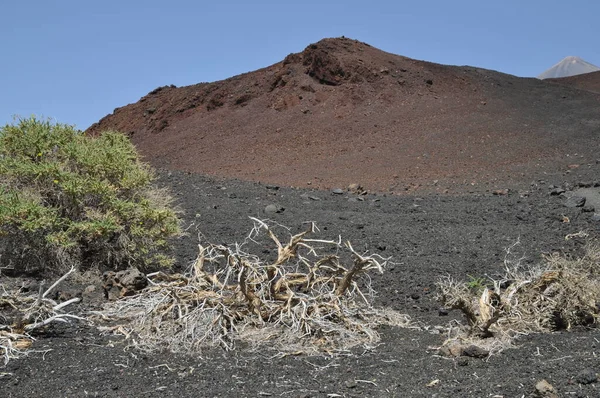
(302, 301)
(22, 314)
(557, 294)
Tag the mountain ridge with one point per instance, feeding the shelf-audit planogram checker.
(342, 112)
(587, 81)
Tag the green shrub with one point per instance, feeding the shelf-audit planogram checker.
(70, 199)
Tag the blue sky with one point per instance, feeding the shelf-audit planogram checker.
(75, 61)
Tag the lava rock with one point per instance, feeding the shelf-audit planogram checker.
(123, 283)
(475, 352)
(132, 279)
(274, 208)
(575, 201)
(586, 376)
(452, 350)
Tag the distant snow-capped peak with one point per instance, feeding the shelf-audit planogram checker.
(569, 66)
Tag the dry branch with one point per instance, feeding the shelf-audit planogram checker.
(299, 301)
(32, 312)
(558, 294)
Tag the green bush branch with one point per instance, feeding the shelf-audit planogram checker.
(71, 198)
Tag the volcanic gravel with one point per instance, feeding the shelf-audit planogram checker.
(427, 237)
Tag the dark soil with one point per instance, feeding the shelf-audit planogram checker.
(428, 236)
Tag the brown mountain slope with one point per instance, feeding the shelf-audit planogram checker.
(342, 112)
(587, 81)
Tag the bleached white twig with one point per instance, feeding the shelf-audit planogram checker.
(58, 282)
(55, 318)
(301, 301)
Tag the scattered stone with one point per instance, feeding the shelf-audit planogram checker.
(462, 361)
(89, 290)
(575, 201)
(500, 192)
(586, 376)
(272, 187)
(443, 312)
(354, 187)
(588, 209)
(132, 279)
(92, 293)
(451, 350)
(123, 283)
(474, 351)
(310, 197)
(596, 217)
(351, 383)
(557, 191)
(274, 208)
(337, 191)
(543, 389)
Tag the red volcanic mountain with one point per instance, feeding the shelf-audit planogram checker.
(343, 112)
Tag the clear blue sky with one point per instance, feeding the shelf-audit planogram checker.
(75, 60)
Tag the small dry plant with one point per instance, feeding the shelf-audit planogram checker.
(26, 314)
(299, 302)
(558, 294)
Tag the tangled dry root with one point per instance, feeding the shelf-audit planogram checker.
(28, 314)
(301, 302)
(558, 294)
